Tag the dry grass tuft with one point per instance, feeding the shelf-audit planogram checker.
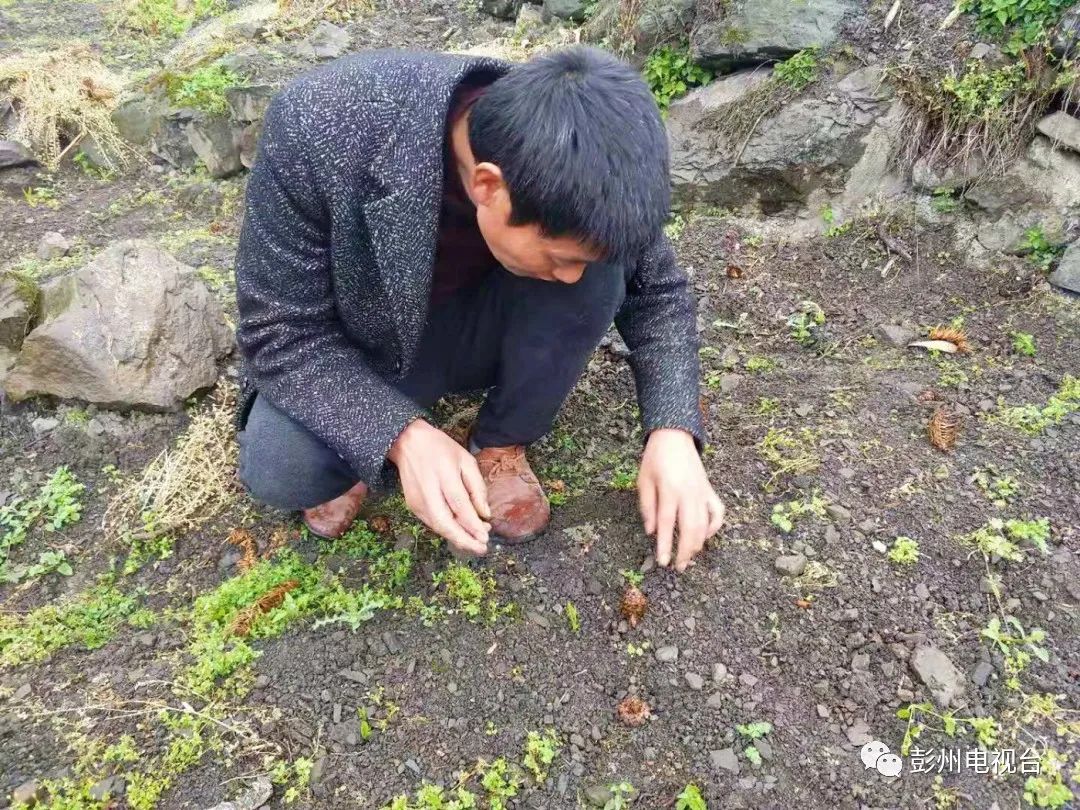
(943, 429)
(980, 119)
(613, 24)
(957, 337)
(187, 485)
(61, 97)
(294, 16)
(633, 711)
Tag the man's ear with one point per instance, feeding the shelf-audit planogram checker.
(487, 183)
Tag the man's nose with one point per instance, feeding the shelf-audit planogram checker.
(569, 275)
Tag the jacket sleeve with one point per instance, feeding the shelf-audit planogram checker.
(658, 322)
(297, 352)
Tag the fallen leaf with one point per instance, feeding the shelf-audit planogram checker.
(935, 346)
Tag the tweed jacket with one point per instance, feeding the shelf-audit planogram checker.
(334, 265)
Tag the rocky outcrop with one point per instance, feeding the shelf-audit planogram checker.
(809, 144)
(133, 328)
(754, 31)
(1067, 274)
(573, 10)
(183, 137)
(18, 302)
(1062, 129)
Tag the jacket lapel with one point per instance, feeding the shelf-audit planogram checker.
(402, 217)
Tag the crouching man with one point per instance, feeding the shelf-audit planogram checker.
(419, 224)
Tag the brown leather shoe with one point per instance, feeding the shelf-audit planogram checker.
(333, 518)
(519, 508)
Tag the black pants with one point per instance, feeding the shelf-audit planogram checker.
(526, 340)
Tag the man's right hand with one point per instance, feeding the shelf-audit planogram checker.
(443, 486)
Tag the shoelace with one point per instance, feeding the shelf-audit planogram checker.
(504, 461)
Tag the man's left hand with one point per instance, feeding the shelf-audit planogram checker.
(674, 490)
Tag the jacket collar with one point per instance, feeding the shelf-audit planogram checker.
(402, 217)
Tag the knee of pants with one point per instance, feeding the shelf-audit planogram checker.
(285, 466)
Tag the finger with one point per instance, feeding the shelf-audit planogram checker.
(693, 518)
(647, 503)
(457, 498)
(716, 515)
(446, 526)
(665, 527)
(474, 483)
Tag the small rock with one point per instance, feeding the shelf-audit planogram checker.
(858, 733)
(823, 711)
(725, 759)
(14, 155)
(28, 793)
(598, 795)
(729, 382)
(804, 410)
(1061, 128)
(44, 424)
(667, 654)
(839, 514)
(719, 672)
(748, 680)
(21, 693)
(896, 335)
(934, 669)
(879, 547)
(791, 565)
(327, 41)
(353, 675)
(111, 787)
(922, 591)
(694, 681)
(52, 245)
(981, 674)
(860, 662)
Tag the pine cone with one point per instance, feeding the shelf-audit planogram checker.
(633, 711)
(633, 605)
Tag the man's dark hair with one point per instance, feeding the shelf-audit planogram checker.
(581, 146)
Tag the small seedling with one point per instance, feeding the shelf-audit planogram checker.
(1023, 343)
(690, 799)
(540, 751)
(572, 617)
(633, 576)
(944, 201)
(904, 551)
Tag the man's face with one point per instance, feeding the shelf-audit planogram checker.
(522, 249)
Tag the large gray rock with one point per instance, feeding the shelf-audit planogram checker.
(1062, 129)
(945, 681)
(565, 9)
(326, 41)
(753, 31)
(1067, 274)
(660, 20)
(249, 103)
(18, 302)
(13, 155)
(503, 9)
(1046, 177)
(134, 327)
(808, 145)
(216, 141)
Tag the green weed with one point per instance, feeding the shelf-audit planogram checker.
(805, 323)
(759, 365)
(789, 452)
(751, 732)
(904, 551)
(1033, 419)
(470, 592)
(89, 619)
(55, 507)
(573, 618)
(624, 479)
(690, 799)
(799, 70)
(1038, 248)
(540, 751)
(785, 515)
(203, 88)
(1000, 489)
(633, 576)
(1002, 539)
(167, 18)
(1023, 22)
(622, 794)
(1023, 343)
(1047, 788)
(944, 201)
(42, 195)
(670, 72)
